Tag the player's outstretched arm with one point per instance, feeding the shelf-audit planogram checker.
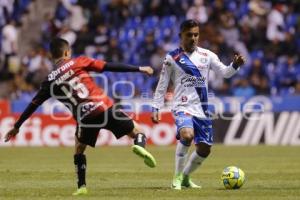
(120, 67)
(161, 88)
(42, 95)
(227, 71)
(24, 116)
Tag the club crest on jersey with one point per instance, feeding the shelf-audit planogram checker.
(184, 98)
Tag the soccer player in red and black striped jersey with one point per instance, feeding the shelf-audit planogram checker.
(71, 84)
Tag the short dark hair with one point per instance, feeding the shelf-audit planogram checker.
(58, 46)
(188, 24)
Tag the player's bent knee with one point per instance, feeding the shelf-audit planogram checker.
(203, 150)
(187, 138)
(203, 153)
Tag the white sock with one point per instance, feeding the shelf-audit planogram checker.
(193, 163)
(180, 157)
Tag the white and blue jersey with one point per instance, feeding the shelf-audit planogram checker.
(189, 73)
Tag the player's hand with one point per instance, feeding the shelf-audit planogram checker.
(156, 117)
(238, 60)
(12, 133)
(146, 69)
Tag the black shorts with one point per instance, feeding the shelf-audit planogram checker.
(115, 120)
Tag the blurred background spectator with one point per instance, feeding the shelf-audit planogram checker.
(267, 33)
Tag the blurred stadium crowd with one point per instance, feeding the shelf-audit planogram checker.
(141, 32)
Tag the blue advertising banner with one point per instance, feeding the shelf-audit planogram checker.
(219, 105)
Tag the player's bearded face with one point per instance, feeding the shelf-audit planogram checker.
(190, 39)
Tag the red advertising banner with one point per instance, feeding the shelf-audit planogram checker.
(230, 129)
(4, 107)
(46, 130)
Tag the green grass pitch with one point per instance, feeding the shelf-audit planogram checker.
(272, 172)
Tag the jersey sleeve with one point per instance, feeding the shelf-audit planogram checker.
(218, 67)
(42, 95)
(163, 83)
(90, 64)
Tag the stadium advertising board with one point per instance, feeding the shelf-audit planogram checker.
(228, 104)
(231, 129)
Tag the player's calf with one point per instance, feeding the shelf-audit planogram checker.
(80, 167)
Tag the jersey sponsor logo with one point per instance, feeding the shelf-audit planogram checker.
(193, 81)
(89, 107)
(202, 66)
(182, 61)
(63, 68)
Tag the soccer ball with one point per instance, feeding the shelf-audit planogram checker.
(233, 177)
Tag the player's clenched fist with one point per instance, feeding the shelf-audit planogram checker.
(238, 60)
(146, 69)
(156, 117)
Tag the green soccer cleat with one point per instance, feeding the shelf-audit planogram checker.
(80, 191)
(177, 181)
(149, 160)
(187, 182)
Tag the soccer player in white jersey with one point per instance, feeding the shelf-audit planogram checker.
(188, 67)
